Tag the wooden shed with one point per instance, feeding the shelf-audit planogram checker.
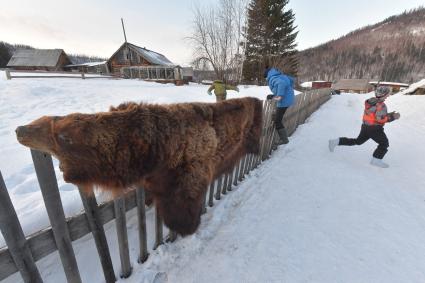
(320, 84)
(129, 55)
(353, 86)
(39, 59)
(394, 86)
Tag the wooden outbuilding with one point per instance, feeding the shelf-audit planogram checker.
(130, 55)
(353, 86)
(320, 84)
(395, 87)
(39, 59)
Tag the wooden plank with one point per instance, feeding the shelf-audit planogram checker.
(247, 162)
(235, 178)
(224, 188)
(49, 188)
(252, 163)
(141, 217)
(159, 238)
(42, 243)
(15, 238)
(98, 232)
(231, 174)
(46, 77)
(211, 194)
(270, 132)
(264, 129)
(7, 265)
(219, 185)
(204, 202)
(121, 225)
(242, 166)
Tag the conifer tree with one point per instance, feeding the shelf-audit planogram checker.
(4, 55)
(270, 37)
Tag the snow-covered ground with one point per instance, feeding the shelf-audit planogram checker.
(305, 215)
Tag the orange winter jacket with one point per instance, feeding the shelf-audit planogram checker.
(375, 112)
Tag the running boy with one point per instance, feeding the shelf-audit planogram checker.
(374, 118)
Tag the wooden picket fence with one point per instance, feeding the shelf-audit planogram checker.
(38, 74)
(22, 252)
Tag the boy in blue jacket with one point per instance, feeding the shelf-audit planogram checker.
(282, 87)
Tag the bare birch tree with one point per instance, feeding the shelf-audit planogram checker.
(217, 37)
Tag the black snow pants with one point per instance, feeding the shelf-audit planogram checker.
(278, 121)
(367, 132)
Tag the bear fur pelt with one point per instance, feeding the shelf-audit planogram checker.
(174, 151)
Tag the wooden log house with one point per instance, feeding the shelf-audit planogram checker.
(129, 55)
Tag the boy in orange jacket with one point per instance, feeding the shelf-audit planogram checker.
(374, 118)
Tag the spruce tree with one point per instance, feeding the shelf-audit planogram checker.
(270, 37)
(4, 55)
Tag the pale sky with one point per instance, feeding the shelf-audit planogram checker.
(93, 27)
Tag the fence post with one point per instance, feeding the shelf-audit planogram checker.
(241, 168)
(211, 195)
(83, 76)
(229, 185)
(204, 202)
(159, 238)
(121, 224)
(49, 189)
(141, 216)
(235, 178)
(226, 179)
(8, 74)
(96, 226)
(218, 192)
(15, 238)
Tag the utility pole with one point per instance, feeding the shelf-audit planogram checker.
(123, 29)
(126, 44)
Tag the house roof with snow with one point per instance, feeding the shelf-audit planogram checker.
(37, 58)
(87, 64)
(353, 85)
(414, 87)
(388, 84)
(150, 56)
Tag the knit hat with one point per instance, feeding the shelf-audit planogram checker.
(382, 91)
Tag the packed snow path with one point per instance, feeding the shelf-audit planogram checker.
(308, 215)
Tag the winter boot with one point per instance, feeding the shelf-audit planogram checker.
(379, 163)
(333, 144)
(283, 136)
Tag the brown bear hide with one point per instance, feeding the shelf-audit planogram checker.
(174, 151)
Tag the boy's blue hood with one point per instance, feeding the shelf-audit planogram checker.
(273, 72)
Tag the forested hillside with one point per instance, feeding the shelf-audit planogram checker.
(392, 50)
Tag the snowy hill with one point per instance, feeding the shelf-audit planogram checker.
(305, 215)
(391, 50)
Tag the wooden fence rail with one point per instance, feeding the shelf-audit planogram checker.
(22, 252)
(34, 74)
